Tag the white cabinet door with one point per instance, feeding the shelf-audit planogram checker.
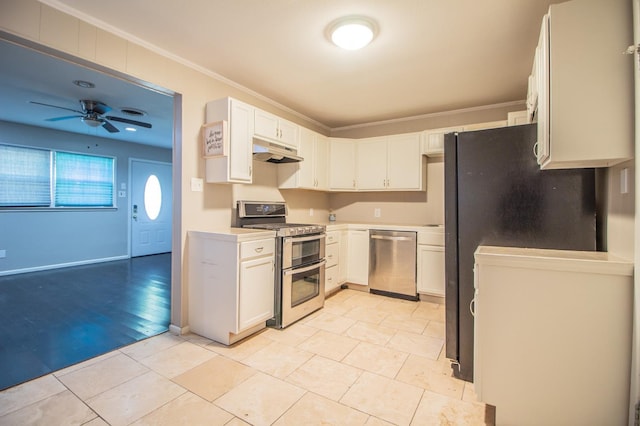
(358, 256)
(235, 167)
(266, 125)
(276, 129)
(371, 167)
(306, 169)
(431, 270)
(322, 162)
(289, 133)
(404, 163)
(342, 164)
(256, 292)
(343, 259)
(433, 141)
(241, 142)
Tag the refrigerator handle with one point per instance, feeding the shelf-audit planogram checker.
(472, 307)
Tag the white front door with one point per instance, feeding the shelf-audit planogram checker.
(151, 200)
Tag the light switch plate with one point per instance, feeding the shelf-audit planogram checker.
(196, 184)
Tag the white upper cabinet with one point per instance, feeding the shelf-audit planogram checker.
(311, 173)
(433, 140)
(235, 165)
(390, 163)
(342, 164)
(275, 129)
(371, 164)
(585, 85)
(405, 164)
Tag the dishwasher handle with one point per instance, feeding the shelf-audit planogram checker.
(390, 238)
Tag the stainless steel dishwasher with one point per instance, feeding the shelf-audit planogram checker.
(392, 263)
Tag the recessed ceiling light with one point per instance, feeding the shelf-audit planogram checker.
(84, 84)
(353, 32)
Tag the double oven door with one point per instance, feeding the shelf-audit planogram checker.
(302, 276)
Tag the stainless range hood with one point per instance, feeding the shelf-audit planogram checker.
(274, 153)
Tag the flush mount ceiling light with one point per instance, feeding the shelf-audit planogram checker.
(84, 84)
(353, 32)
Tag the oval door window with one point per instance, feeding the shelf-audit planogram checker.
(152, 197)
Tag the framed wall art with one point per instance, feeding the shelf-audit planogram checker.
(215, 139)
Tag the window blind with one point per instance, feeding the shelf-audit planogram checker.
(25, 177)
(83, 180)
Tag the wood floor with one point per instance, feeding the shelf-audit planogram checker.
(53, 319)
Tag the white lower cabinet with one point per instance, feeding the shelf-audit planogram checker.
(231, 283)
(358, 256)
(332, 254)
(543, 355)
(431, 261)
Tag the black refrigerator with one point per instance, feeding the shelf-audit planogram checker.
(496, 194)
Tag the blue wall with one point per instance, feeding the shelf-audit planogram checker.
(46, 239)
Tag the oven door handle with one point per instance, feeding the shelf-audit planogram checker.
(305, 269)
(303, 239)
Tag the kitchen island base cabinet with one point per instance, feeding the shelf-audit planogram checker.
(231, 286)
(553, 336)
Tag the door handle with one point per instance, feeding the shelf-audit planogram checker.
(308, 268)
(384, 237)
(135, 217)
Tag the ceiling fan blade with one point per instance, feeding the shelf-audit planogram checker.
(110, 127)
(63, 118)
(128, 121)
(55, 106)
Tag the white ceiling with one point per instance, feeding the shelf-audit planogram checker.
(429, 55)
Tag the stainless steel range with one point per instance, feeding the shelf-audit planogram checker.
(300, 262)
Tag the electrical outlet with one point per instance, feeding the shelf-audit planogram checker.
(122, 194)
(311, 211)
(376, 212)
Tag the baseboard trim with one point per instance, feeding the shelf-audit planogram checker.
(62, 265)
(177, 330)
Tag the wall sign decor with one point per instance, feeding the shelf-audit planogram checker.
(215, 139)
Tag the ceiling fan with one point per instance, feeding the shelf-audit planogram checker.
(93, 115)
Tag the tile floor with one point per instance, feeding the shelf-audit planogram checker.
(362, 360)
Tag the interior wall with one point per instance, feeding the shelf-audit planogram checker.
(404, 208)
(36, 239)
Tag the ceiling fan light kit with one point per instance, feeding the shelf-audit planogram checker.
(352, 32)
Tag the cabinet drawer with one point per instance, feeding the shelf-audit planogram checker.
(332, 253)
(332, 237)
(257, 248)
(331, 279)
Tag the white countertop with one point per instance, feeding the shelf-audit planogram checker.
(336, 226)
(560, 260)
(233, 234)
